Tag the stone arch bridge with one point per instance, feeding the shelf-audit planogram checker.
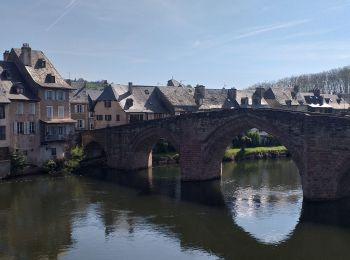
(319, 144)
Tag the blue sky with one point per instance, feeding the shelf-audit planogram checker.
(215, 43)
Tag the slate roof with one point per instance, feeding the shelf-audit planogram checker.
(7, 85)
(79, 94)
(217, 99)
(39, 74)
(178, 97)
(281, 95)
(144, 98)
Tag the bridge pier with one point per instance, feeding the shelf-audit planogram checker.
(194, 167)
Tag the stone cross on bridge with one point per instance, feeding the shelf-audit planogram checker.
(319, 144)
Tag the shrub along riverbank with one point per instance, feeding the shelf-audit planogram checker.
(231, 154)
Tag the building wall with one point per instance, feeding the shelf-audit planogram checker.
(6, 122)
(114, 110)
(80, 115)
(54, 103)
(25, 142)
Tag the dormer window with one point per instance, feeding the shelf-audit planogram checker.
(146, 92)
(41, 63)
(129, 102)
(50, 78)
(20, 90)
(327, 100)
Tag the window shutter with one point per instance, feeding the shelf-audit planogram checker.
(82, 123)
(75, 108)
(15, 128)
(63, 95)
(82, 108)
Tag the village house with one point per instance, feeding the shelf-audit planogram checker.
(39, 109)
(123, 104)
(79, 106)
(4, 131)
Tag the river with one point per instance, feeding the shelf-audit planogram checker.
(256, 211)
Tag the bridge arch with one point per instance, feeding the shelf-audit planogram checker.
(216, 142)
(142, 144)
(222, 135)
(94, 150)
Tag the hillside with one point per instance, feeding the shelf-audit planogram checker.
(335, 80)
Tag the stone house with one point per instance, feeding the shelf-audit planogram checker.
(79, 106)
(40, 121)
(123, 104)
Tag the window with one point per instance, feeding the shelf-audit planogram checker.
(135, 118)
(19, 127)
(2, 132)
(108, 117)
(80, 124)
(118, 117)
(49, 95)
(79, 108)
(19, 108)
(99, 117)
(32, 108)
(60, 95)
(53, 152)
(20, 90)
(61, 130)
(50, 78)
(31, 127)
(2, 111)
(107, 103)
(49, 112)
(157, 116)
(61, 112)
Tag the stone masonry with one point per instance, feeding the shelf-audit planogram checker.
(319, 144)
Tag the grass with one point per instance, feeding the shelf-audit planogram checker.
(231, 152)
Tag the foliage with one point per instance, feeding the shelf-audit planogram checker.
(75, 157)
(332, 81)
(68, 165)
(51, 166)
(18, 162)
(163, 146)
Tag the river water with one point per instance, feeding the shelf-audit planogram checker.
(256, 211)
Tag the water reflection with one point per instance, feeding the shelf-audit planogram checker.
(152, 215)
(265, 198)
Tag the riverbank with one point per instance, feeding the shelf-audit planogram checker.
(231, 154)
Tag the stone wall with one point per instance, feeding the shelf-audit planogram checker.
(319, 144)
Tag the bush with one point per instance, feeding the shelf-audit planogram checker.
(51, 166)
(18, 162)
(72, 164)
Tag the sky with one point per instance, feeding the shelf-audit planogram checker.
(226, 43)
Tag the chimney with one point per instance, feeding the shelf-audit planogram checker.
(26, 55)
(317, 92)
(130, 87)
(232, 94)
(260, 92)
(6, 55)
(199, 94)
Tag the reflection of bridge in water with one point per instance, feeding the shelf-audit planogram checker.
(196, 213)
(319, 144)
(179, 210)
